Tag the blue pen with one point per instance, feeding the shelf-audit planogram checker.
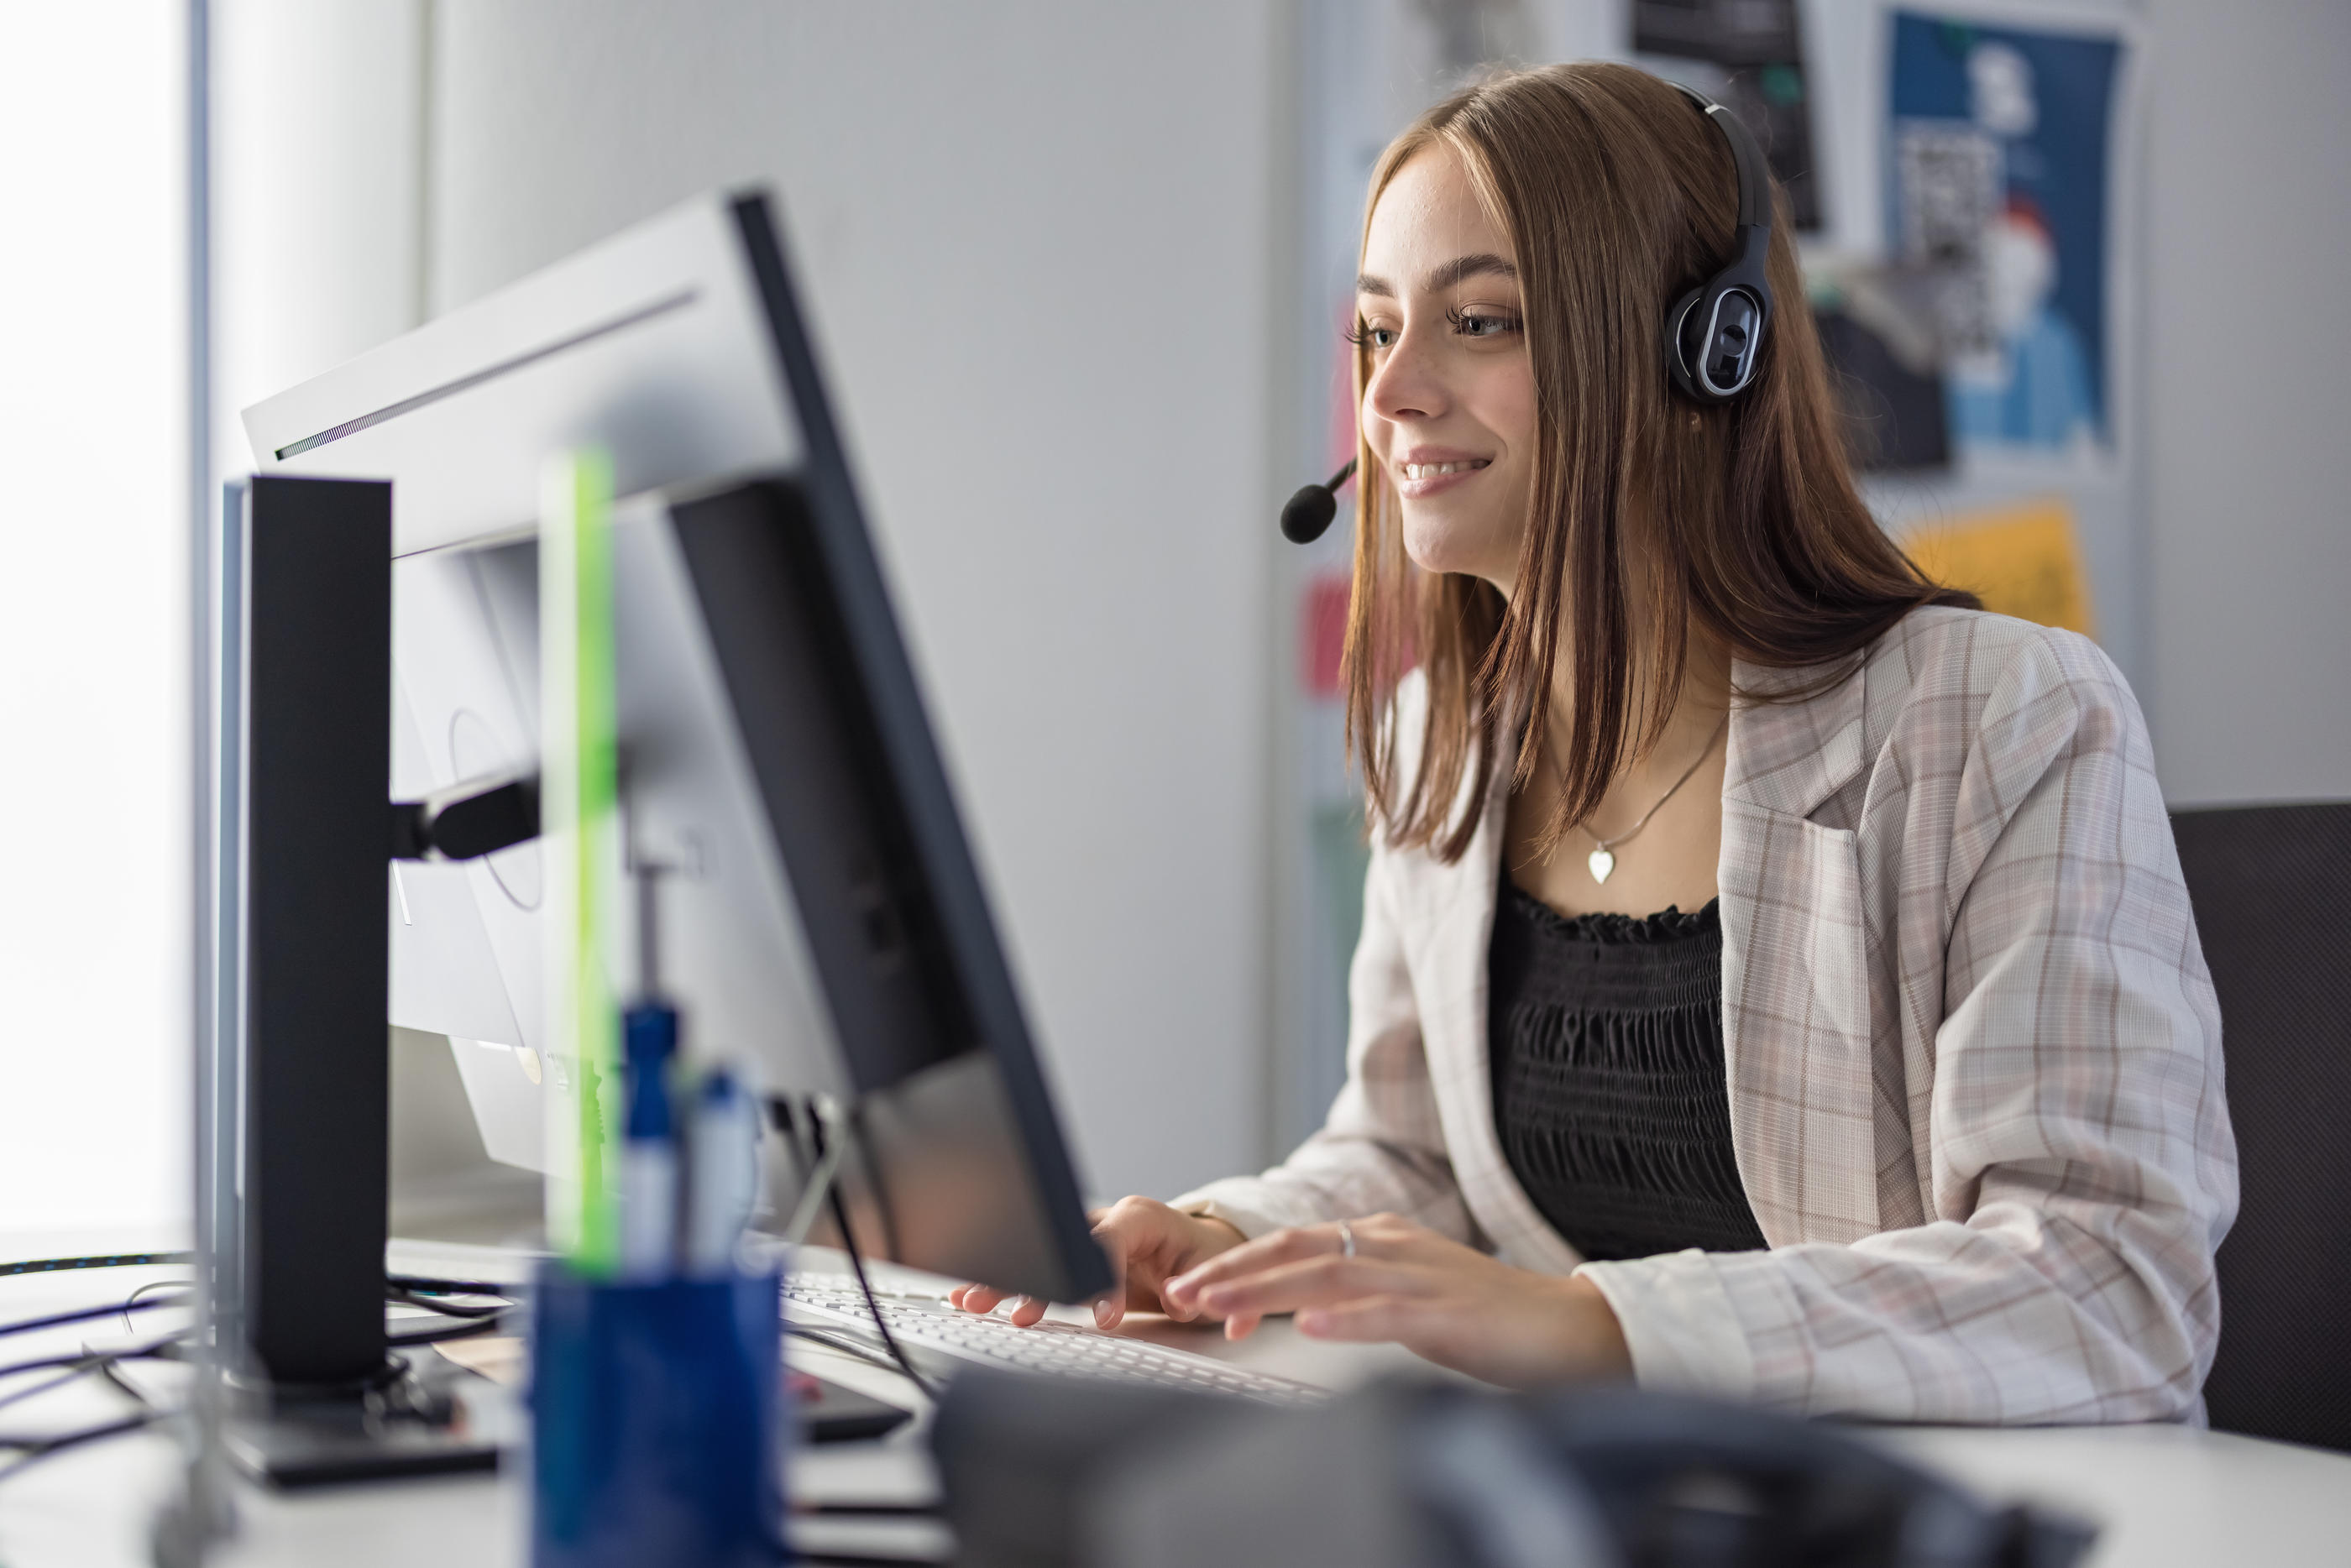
(649, 1144)
(724, 1148)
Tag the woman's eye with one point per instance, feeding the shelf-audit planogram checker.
(1478, 324)
(1365, 335)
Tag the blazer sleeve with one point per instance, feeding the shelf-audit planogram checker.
(1381, 1150)
(2079, 1162)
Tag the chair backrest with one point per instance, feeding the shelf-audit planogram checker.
(2272, 889)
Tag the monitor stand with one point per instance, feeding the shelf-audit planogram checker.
(304, 838)
(428, 1417)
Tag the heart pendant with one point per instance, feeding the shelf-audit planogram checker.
(1602, 863)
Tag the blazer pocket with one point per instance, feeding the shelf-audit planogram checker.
(1796, 1024)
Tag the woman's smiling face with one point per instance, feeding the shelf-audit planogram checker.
(1449, 407)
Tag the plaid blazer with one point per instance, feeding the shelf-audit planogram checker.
(1973, 1057)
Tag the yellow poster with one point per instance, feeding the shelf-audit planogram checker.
(2023, 560)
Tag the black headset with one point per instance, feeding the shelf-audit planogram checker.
(1713, 334)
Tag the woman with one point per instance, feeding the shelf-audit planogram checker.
(1918, 1116)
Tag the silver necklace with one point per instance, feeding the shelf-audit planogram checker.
(1603, 859)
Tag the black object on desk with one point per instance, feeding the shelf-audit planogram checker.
(1057, 1470)
(2272, 889)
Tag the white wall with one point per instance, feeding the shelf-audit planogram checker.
(93, 630)
(2249, 337)
(317, 146)
(318, 256)
(1037, 239)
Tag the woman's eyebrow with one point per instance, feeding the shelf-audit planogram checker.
(1449, 276)
(1460, 268)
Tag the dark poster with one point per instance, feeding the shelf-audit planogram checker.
(1999, 169)
(1756, 50)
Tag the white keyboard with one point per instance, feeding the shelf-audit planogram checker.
(1059, 1349)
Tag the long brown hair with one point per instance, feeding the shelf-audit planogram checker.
(1650, 514)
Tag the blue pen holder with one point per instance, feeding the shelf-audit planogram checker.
(656, 1423)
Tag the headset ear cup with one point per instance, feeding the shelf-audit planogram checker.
(1677, 346)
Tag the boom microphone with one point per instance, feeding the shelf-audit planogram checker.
(1310, 511)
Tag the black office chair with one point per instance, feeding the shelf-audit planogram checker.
(2271, 888)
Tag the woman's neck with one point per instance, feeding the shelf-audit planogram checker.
(1675, 784)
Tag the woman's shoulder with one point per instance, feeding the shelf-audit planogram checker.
(1940, 647)
(1947, 695)
(1981, 670)
(1956, 691)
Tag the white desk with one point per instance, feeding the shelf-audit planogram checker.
(2165, 1495)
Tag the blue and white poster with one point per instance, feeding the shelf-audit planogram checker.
(1999, 165)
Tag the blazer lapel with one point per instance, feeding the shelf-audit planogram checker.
(1795, 982)
(1450, 926)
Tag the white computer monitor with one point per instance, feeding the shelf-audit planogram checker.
(822, 918)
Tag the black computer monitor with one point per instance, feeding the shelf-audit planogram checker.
(822, 914)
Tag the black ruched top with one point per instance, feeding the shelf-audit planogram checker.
(1606, 1043)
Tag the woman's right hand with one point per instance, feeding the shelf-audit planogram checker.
(1149, 1244)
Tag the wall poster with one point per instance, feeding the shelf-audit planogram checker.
(2009, 225)
(2000, 143)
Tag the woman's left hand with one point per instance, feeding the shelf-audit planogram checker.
(1451, 1304)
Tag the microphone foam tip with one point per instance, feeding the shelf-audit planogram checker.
(1308, 514)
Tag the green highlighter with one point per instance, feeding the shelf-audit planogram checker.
(578, 789)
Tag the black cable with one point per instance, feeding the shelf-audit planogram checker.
(426, 1285)
(104, 1261)
(45, 1364)
(85, 1314)
(844, 1344)
(881, 1204)
(785, 1120)
(57, 1320)
(410, 1290)
(154, 1350)
(417, 1291)
(37, 1389)
(73, 1366)
(442, 1336)
(856, 1259)
(872, 1306)
(36, 1449)
(447, 1309)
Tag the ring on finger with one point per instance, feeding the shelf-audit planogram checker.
(1346, 1240)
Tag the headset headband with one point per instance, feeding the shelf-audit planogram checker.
(1754, 177)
